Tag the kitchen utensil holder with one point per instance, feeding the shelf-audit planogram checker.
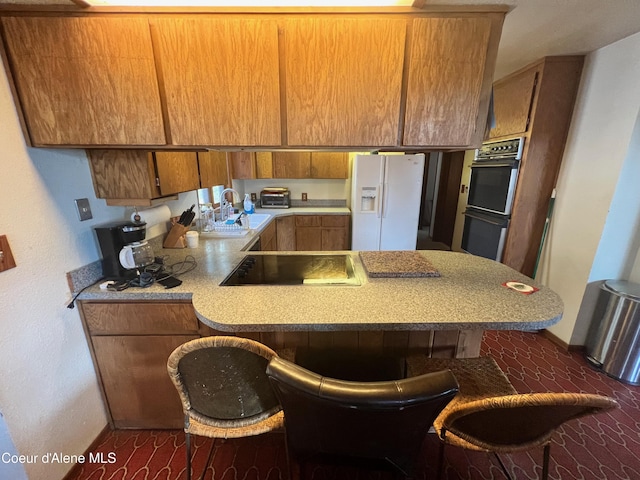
(176, 239)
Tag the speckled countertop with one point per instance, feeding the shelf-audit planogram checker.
(468, 294)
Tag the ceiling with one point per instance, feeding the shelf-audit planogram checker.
(533, 28)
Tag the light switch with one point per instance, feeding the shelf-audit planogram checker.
(84, 209)
(6, 257)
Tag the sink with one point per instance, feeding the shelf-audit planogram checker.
(257, 220)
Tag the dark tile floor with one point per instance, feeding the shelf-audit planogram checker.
(606, 446)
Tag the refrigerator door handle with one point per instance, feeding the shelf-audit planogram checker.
(385, 200)
(380, 199)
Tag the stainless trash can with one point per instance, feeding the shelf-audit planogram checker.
(613, 342)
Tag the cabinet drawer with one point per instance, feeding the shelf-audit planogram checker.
(113, 318)
(335, 220)
(308, 220)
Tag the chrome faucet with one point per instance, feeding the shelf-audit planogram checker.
(224, 203)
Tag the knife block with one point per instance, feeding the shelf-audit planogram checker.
(176, 239)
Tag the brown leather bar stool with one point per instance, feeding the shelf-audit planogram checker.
(382, 424)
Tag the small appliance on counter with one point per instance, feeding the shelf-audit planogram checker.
(275, 197)
(124, 249)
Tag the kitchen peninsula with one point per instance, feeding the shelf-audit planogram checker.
(131, 333)
(469, 294)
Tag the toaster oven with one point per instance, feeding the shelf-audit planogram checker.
(276, 197)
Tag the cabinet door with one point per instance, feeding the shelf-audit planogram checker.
(329, 165)
(335, 239)
(264, 165)
(344, 78)
(243, 165)
(137, 387)
(308, 239)
(512, 101)
(221, 79)
(291, 164)
(213, 169)
(268, 238)
(123, 174)
(177, 172)
(85, 80)
(286, 233)
(446, 73)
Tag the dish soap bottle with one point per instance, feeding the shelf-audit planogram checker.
(248, 205)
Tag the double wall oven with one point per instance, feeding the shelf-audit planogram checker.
(494, 175)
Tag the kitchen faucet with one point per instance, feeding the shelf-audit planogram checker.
(224, 204)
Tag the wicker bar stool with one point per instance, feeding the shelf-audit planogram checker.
(489, 415)
(224, 389)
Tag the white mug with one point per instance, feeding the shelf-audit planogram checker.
(192, 239)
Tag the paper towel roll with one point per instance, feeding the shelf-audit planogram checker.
(154, 215)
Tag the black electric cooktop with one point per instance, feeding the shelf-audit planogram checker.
(308, 269)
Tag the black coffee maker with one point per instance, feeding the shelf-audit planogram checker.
(113, 237)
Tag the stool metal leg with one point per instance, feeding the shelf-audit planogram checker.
(188, 449)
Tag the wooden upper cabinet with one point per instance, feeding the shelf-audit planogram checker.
(123, 174)
(512, 100)
(291, 164)
(220, 78)
(343, 80)
(446, 79)
(177, 172)
(329, 165)
(213, 169)
(135, 177)
(85, 81)
(264, 165)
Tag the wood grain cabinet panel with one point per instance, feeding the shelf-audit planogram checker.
(286, 233)
(123, 174)
(446, 73)
(85, 80)
(329, 165)
(221, 79)
(512, 102)
(344, 79)
(308, 239)
(121, 318)
(322, 232)
(268, 237)
(551, 111)
(292, 164)
(130, 343)
(135, 177)
(133, 370)
(213, 169)
(177, 172)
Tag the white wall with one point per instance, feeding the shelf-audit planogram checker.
(48, 390)
(598, 144)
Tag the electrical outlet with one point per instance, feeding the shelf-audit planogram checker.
(254, 197)
(84, 209)
(6, 257)
(304, 197)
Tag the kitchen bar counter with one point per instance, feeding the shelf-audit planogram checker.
(468, 295)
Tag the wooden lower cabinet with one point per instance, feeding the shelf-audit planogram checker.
(268, 239)
(137, 388)
(322, 232)
(130, 343)
(286, 233)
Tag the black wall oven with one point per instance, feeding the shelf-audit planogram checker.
(494, 175)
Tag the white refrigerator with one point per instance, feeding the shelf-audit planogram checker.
(385, 204)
